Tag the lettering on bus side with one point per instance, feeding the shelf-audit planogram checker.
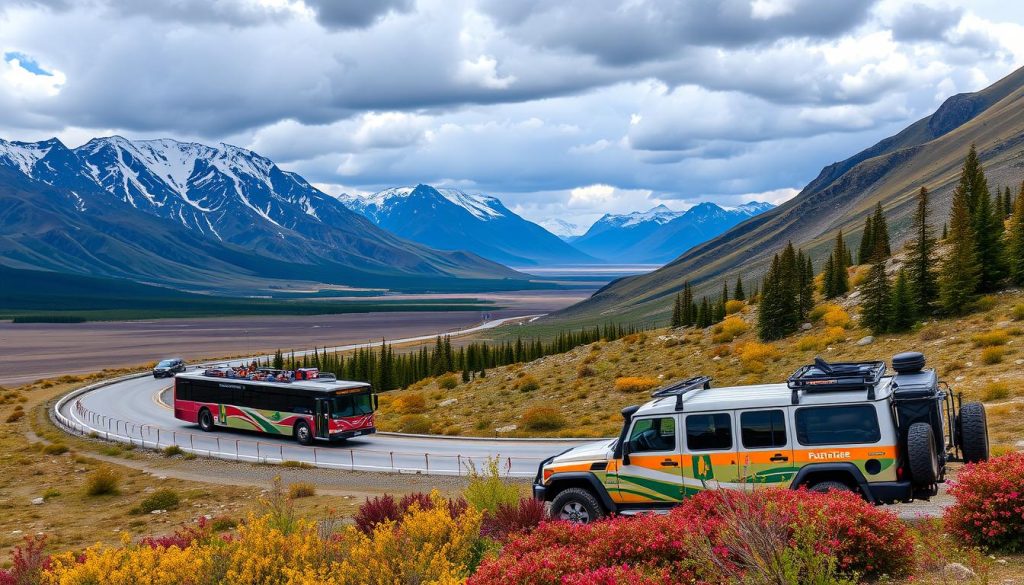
(826, 455)
(230, 386)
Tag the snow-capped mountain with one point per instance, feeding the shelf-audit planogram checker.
(563, 229)
(229, 196)
(660, 234)
(450, 219)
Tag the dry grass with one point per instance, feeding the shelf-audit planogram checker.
(302, 489)
(581, 384)
(990, 338)
(992, 355)
(729, 329)
(543, 418)
(732, 307)
(995, 391)
(636, 383)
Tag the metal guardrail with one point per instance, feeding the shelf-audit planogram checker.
(86, 422)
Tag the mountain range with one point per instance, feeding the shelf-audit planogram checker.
(450, 219)
(928, 153)
(203, 218)
(660, 234)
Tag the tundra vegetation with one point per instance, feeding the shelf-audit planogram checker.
(493, 534)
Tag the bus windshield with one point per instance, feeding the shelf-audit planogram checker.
(352, 405)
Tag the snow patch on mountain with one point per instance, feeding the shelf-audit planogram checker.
(562, 228)
(480, 206)
(23, 155)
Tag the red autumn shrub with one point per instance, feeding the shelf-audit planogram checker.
(378, 510)
(28, 562)
(619, 575)
(523, 516)
(381, 509)
(989, 508)
(201, 532)
(713, 537)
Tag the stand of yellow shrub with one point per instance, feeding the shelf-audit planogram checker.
(635, 383)
(427, 546)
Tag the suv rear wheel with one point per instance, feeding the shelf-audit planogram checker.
(972, 428)
(921, 454)
(576, 505)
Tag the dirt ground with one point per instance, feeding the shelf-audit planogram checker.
(33, 351)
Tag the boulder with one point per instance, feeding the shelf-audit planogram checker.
(806, 326)
(867, 340)
(37, 501)
(958, 572)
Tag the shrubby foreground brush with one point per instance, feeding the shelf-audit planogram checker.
(493, 536)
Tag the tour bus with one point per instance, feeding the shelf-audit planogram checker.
(304, 404)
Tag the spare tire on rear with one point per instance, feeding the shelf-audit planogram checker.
(972, 430)
(921, 454)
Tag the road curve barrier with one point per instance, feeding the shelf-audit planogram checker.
(82, 421)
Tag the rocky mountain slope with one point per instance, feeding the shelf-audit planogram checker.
(927, 153)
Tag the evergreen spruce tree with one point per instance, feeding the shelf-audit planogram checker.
(718, 313)
(867, 243)
(972, 180)
(876, 311)
(278, 360)
(828, 277)
(1015, 241)
(1007, 203)
(737, 292)
(790, 288)
(677, 311)
(703, 314)
(988, 234)
(770, 315)
(755, 295)
(924, 289)
(880, 233)
(725, 293)
(904, 309)
(959, 276)
(806, 290)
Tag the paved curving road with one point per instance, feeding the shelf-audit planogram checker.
(131, 410)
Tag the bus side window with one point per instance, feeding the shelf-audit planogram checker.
(182, 389)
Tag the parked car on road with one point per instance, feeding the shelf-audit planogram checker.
(168, 367)
(831, 426)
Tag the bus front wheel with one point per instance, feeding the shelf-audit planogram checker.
(302, 433)
(205, 420)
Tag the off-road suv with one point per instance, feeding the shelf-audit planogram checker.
(831, 426)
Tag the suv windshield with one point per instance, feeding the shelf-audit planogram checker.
(352, 405)
(165, 364)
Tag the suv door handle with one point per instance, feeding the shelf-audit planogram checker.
(779, 457)
(669, 463)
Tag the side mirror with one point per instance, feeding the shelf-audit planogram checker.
(376, 402)
(625, 453)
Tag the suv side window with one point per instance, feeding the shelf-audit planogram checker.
(653, 434)
(709, 432)
(763, 429)
(837, 425)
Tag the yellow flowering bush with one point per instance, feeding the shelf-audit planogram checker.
(427, 546)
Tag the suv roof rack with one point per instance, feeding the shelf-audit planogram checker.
(822, 376)
(681, 388)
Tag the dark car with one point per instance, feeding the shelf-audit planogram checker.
(169, 367)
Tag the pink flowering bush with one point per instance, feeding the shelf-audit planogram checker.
(713, 537)
(989, 508)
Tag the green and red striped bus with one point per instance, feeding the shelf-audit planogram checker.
(304, 404)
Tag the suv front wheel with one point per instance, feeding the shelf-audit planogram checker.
(576, 505)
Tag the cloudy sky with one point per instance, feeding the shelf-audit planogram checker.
(563, 109)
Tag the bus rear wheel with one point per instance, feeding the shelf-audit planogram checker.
(302, 433)
(205, 420)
